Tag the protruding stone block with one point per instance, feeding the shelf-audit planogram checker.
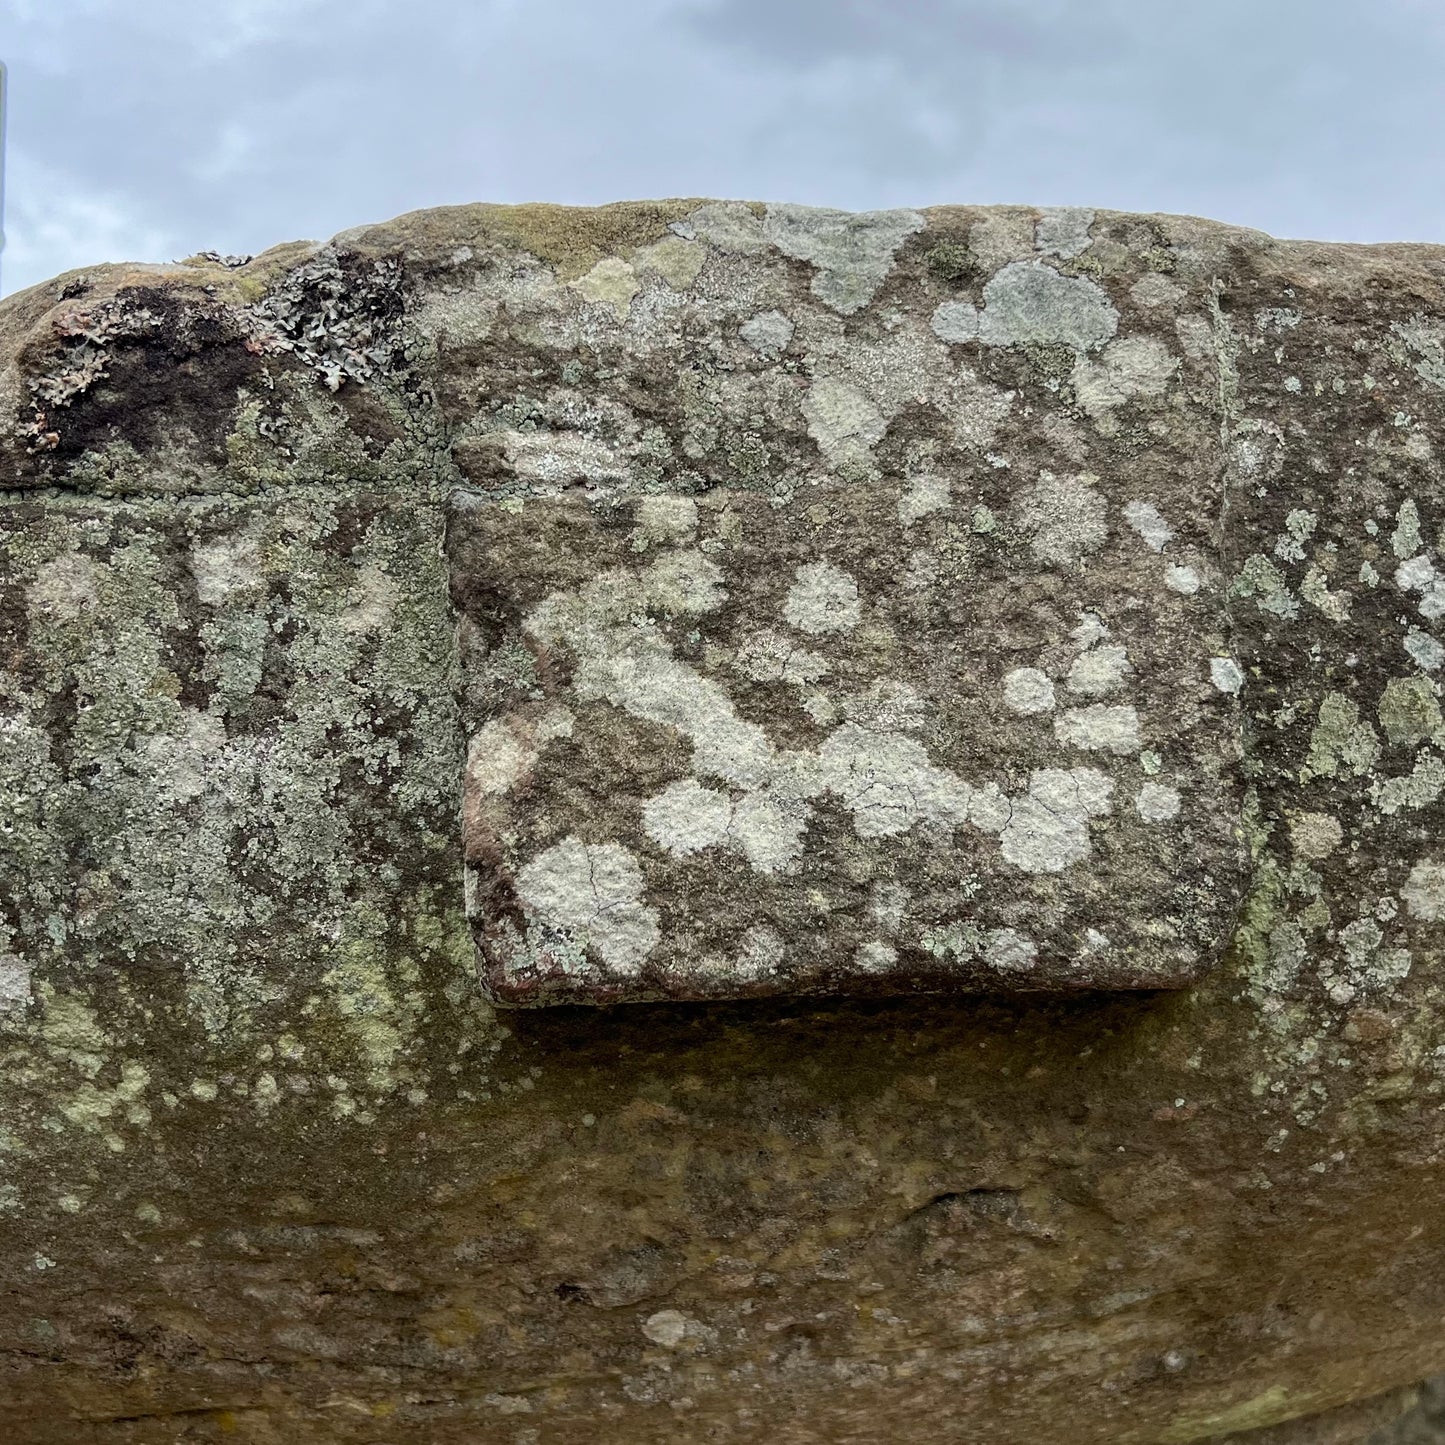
(930, 732)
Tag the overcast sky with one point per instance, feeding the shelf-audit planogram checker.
(149, 129)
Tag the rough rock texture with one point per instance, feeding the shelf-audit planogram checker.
(1422, 1424)
(1034, 615)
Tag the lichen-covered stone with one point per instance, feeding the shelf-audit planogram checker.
(698, 600)
(742, 726)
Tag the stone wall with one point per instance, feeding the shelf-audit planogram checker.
(960, 687)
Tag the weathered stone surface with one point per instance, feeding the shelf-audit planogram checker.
(1422, 1423)
(847, 669)
(692, 600)
(739, 769)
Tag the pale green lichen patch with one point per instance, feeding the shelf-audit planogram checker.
(1425, 339)
(1340, 741)
(1299, 526)
(1405, 540)
(675, 260)
(1409, 711)
(845, 423)
(375, 994)
(1260, 579)
(611, 282)
(1419, 788)
(194, 858)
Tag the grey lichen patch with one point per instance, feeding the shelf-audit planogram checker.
(590, 894)
(1147, 520)
(955, 321)
(1419, 574)
(1153, 290)
(1063, 231)
(1009, 950)
(227, 566)
(1423, 891)
(1027, 690)
(1157, 802)
(1064, 518)
(923, 496)
(1182, 578)
(768, 333)
(1047, 828)
(1226, 675)
(1029, 302)
(64, 589)
(1130, 368)
(1425, 651)
(851, 252)
(1100, 727)
(665, 518)
(340, 320)
(1099, 671)
(771, 656)
(1001, 235)
(686, 817)
(842, 420)
(822, 599)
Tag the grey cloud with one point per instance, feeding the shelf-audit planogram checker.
(161, 126)
(941, 35)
